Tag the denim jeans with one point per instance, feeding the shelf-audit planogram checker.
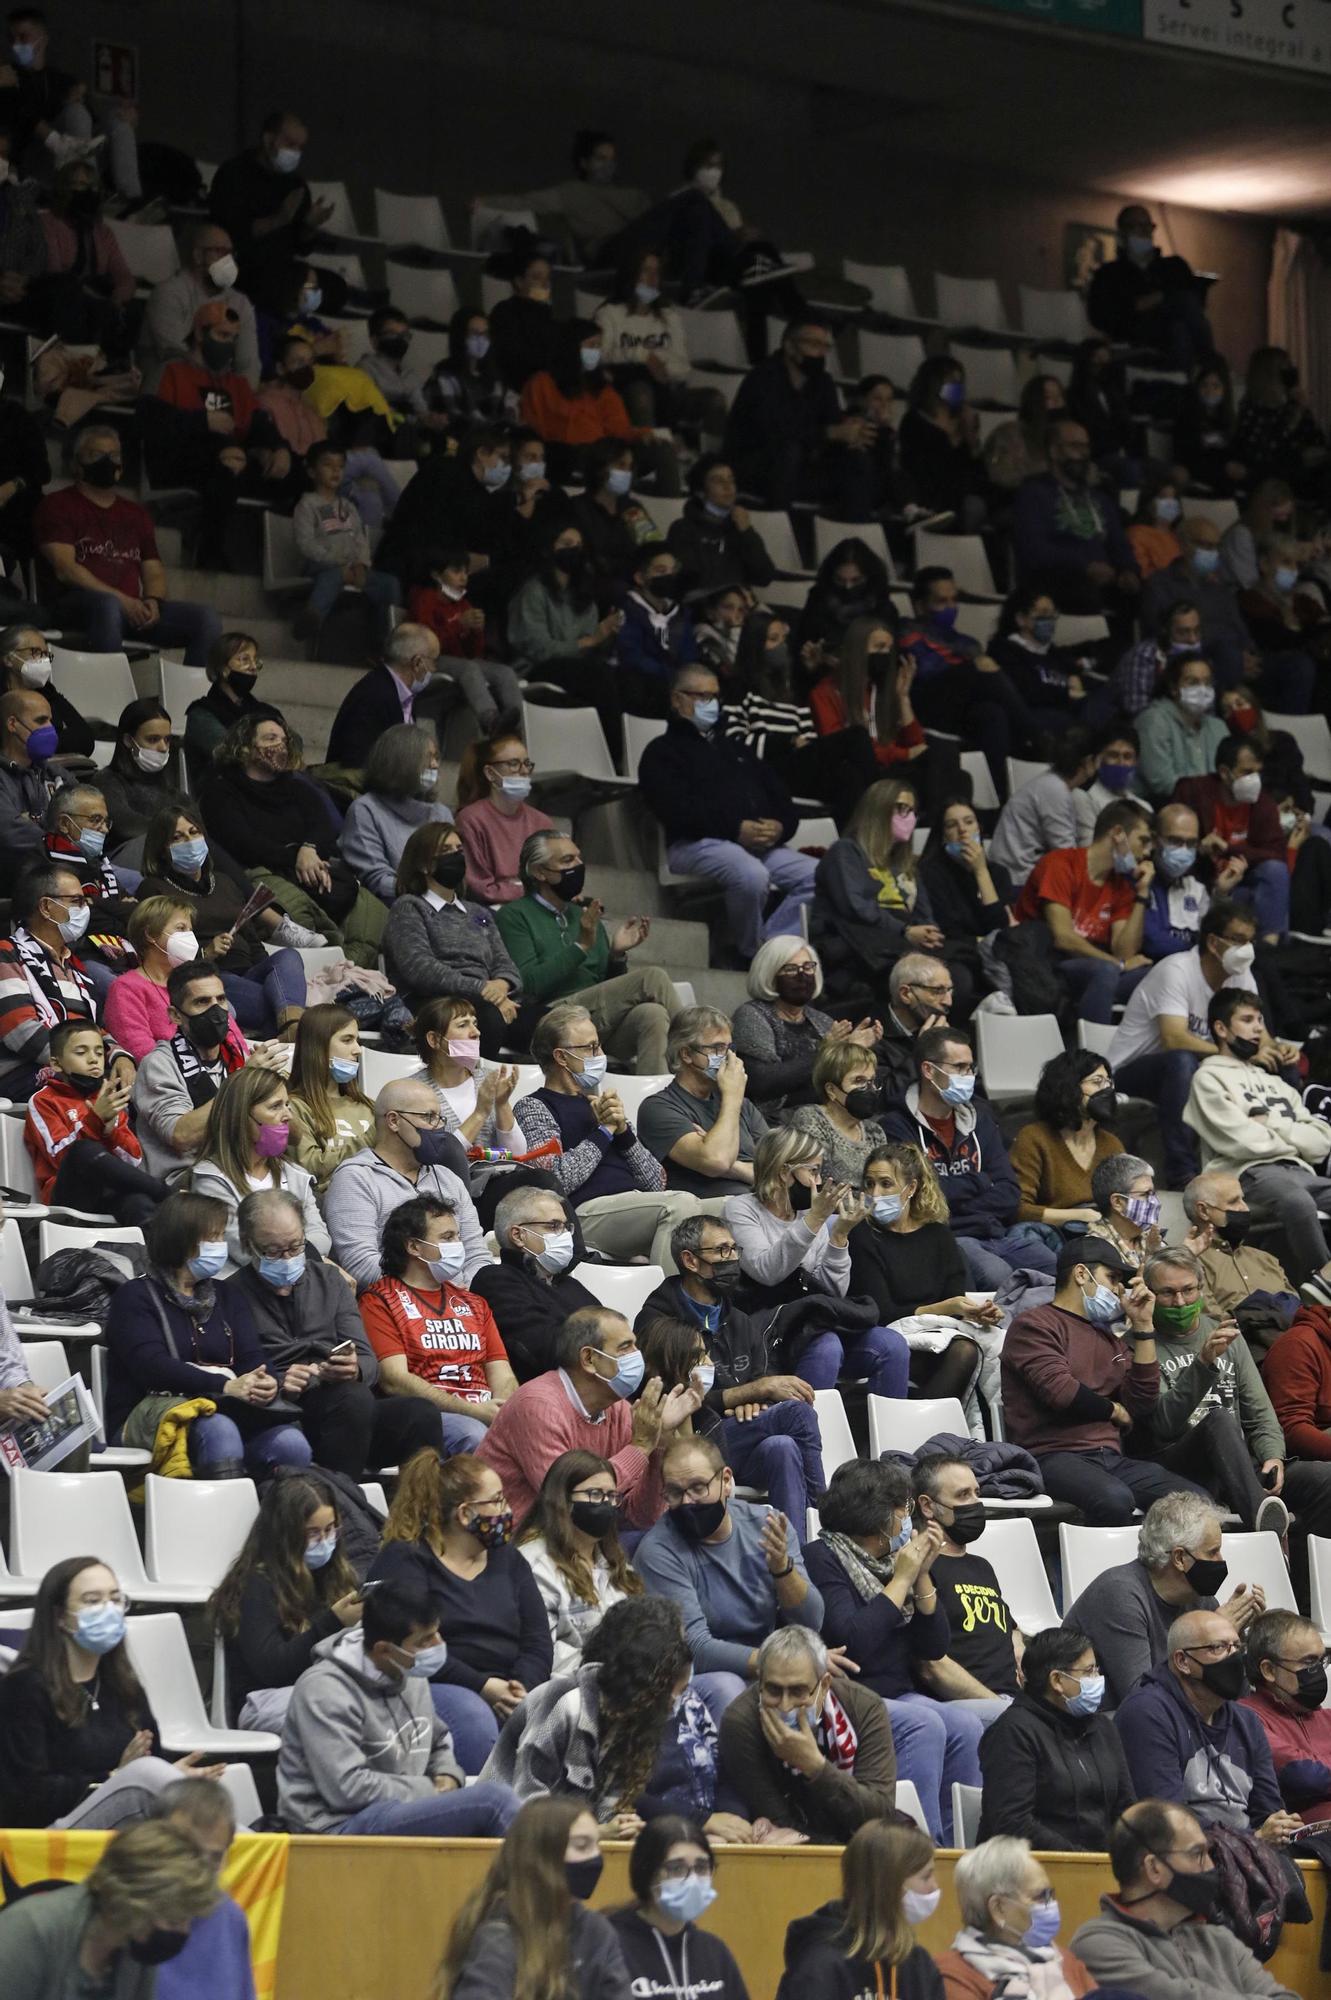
(747, 880)
(261, 994)
(938, 1746)
(1096, 983)
(781, 1450)
(105, 627)
(470, 1721)
(460, 1433)
(1266, 888)
(1165, 1078)
(882, 1354)
(379, 589)
(991, 1259)
(216, 1441)
(482, 1812)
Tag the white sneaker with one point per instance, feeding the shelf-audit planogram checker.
(996, 1003)
(1272, 1516)
(297, 936)
(64, 147)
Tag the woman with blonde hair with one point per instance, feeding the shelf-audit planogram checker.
(244, 1151)
(777, 1032)
(907, 1260)
(331, 1117)
(137, 1013)
(793, 1229)
(843, 1122)
(526, 1933)
(448, 1531)
(864, 1943)
(495, 814)
(571, 1540)
(869, 905)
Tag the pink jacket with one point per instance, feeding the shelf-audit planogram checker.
(137, 1013)
(540, 1422)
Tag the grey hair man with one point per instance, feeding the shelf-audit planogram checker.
(702, 1125)
(413, 1153)
(617, 1186)
(531, 1290)
(559, 944)
(1179, 1566)
(1233, 1267)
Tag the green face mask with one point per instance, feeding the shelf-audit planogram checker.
(1177, 1319)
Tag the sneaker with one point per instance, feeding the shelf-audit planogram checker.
(64, 147)
(296, 936)
(996, 1003)
(1317, 1290)
(1272, 1516)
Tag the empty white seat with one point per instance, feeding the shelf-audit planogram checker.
(714, 337)
(983, 791)
(1258, 1559)
(378, 1067)
(567, 739)
(346, 265)
(1053, 315)
(664, 513)
(374, 1493)
(283, 571)
(98, 685)
(897, 355)
(16, 1284)
(180, 685)
(778, 538)
(639, 731)
(1096, 1035)
(908, 1801)
(966, 1801)
(1085, 1553)
(1080, 628)
(1012, 1049)
(239, 1781)
(964, 555)
(979, 622)
(1021, 770)
(888, 285)
(826, 535)
(1319, 1580)
(895, 1425)
(632, 1090)
(47, 1362)
(160, 1655)
(53, 1236)
(623, 1288)
(834, 1427)
(789, 592)
(967, 302)
(991, 374)
(1015, 1554)
(195, 1528)
(1313, 736)
(149, 248)
(421, 293)
(415, 220)
(58, 1514)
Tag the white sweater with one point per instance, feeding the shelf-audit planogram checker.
(630, 336)
(1245, 1117)
(572, 1619)
(770, 1250)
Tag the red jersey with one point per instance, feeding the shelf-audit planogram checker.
(447, 1337)
(1063, 877)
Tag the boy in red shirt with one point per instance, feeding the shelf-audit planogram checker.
(491, 690)
(434, 1338)
(77, 1131)
(1093, 900)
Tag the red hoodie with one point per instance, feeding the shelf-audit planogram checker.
(1297, 1736)
(1298, 1381)
(57, 1116)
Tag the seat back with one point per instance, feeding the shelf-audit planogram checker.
(899, 356)
(180, 685)
(1053, 315)
(421, 293)
(664, 513)
(378, 1067)
(341, 222)
(639, 731)
(282, 566)
(1258, 1559)
(15, 1277)
(714, 337)
(964, 555)
(991, 374)
(1319, 1580)
(1313, 736)
(632, 1091)
(1023, 770)
(1081, 629)
(778, 538)
(411, 219)
(1098, 1036)
(1086, 1553)
(149, 248)
(346, 264)
(46, 1362)
(15, 1163)
(160, 1656)
(1224, 513)
(898, 1426)
(888, 285)
(826, 535)
(966, 1801)
(99, 685)
(567, 739)
(623, 1288)
(834, 1428)
(53, 1236)
(1012, 1049)
(1015, 1554)
(195, 1528)
(979, 622)
(58, 1514)
(966, 302)
(908, 1801)
(984, 793)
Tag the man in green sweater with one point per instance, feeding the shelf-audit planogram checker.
(555, 937)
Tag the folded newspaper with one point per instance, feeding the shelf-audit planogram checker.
(35, 1444)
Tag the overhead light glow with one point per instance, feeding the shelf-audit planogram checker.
(1261, 189)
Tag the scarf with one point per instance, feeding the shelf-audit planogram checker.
(867, 1573)
(699, 1742)
(201, 1088)
(42, 982)
(836, 1735)
(1078, 514)
(1014, 1968)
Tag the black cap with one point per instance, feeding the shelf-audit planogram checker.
(1092, 1250)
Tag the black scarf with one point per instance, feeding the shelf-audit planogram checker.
(43, 983)
(201, 1087)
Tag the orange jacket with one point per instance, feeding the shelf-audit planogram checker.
(962, 1982)
(581, 419)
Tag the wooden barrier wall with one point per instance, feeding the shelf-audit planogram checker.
(367, 1918)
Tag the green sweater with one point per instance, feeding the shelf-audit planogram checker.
(545, 949)
(1190, 1388)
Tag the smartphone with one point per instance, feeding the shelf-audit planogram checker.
(343, 1347)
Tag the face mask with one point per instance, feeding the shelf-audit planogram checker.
(1286, 578)
(1178, 1319)
(706, 1374)
(1288, 821)
(208, 1029)
(862, 1103)
(1247, 789)
(1043, 1927)
(697, 1522)
(91, 842)
(86, 1086)
(428, 1662)
(158, 1947)
(1206, 561)
(429, 779)
(1228, 1678)
(149, 760)
(646, 295)
(99, 1627)
(956, 1089)
(282, 1270)
(272, 1141)
(812, 365)
(592, 1074)
(343, 1069)
(664, 588)
(629, 1371)
(224, 271)
(478, 346)
(1043, 629)
(217, 354)
(208, 1260)
(619, 481)
(1206, 1578)
(968, 1522)
(1124, 860)
(1118, 777)
(450, 870)
(583, 1876)
(24, 54)
(1101, 1306)
(569, 562)
(801, 1196)
(532, 468)
(101, 471)
(1234, 1225)
(1141, 247)
(433, 1148)
(491, 1530)
(944, 616)
(886, 1208)
(901, 1537)
(708, 179)
(1210, 399)
(182, 948)
(953, 394)
(918, 1905)
(43, 742)
(590, 357)
(797, 983)
(953, 849)
(1143, 1209)
(394, 346)
(593, 1517)
(300, 378)
(539, 295)
(286, 159)
(445, 1267)
(686, 1900)
(706, 714)
(1236, 959)
(1311, 1690)
(75, 924)
(1198, 1894)
(189, 856)
(1090, 1693)
(724, 1276)
(557, 1253)
(903, 825)
(1176, 861)
(319, 1554)
(36, 673)
(514, 788)
(1243, 718)
(454, 592)
(1167, 510)
(1244, 1047)
(497, 476)
(310, 301)
(1103, 1106)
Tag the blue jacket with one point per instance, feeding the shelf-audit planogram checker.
(976, 1173)
(701, 787)
(641, 647)
(1162, 936)
(1220, 1770)
(1041, 546)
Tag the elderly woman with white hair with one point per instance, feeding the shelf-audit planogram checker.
(1010, 1922)
(777, 1030)
(793, 1231)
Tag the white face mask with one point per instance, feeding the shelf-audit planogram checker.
(36, 673)
(1248, 789)
(182, 948)
(150, 760)
(708, 179)
(1236, 959)
(224, 271)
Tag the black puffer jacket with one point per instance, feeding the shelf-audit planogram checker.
(1059, 1780)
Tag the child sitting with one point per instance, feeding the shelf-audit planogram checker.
(491, 690)
(77, 1130)
(333, 543)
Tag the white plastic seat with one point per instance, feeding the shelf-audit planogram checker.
(888, 285)
(1053, 315)
(908, 1801)
(895, 1425)
(826, 535)
(378, 1067)
(815, 832)
(489, 225)
(778, 538)
(979, 622)
(283, 572)
(714, 337)
(530, 1077)
(160, 1655)
(632, 1090)
(1259, 1559)
(341, 222)
(1080, 629)
(1319, 1580)
(99, 685)
(149, 248)
(180, 685)
(966, 1801)
(1097, 1036)
(1012, 1049)
(622, 1288)
(899, 356)
(492, 291)
(374, 1493)
(1313, 736)
(664, 513)
(969, 302)
(346, 263)
(639, 731)
(964, 555)
(834, 1427)
(567, 739)
(58, 1514)
(16, 1284)
(16, 1172)
(1021, 770)
(195, 1528)
(239, 1782)
(110, 1457)
(991, 374)
(414, 221)
(314, 957)
(787, 592)
(983, 791)
(1085, 1553)
(46, 1362)
(1015, 1554)
(53, 1236)
(421, 292)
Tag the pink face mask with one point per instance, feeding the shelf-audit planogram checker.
(272, 1141)
(903, 825)
(465, 1050)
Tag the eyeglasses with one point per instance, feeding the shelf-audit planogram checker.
(1199, 1853)
(1305, 1665)
(93, 1600)
(580, 1048)
(680, 1871)
(291, 1249)
(597, 1493)
(956, 1068)
(429, 1121)
(523, 765)
(794, 1695)
(546, 1227)
(96, 821)
(697, 1489)
(1219, 1649)
(711, 1048)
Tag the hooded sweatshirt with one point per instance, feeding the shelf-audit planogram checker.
(354, 1739)
(1220, 1770)
(974, 1168)
(816, 1963)
(1194, 1961)
(1298, 1379)
(1300, 1742)
(1245, 1117)
(693, 1965)
(1059, 1779)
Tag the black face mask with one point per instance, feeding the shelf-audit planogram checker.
(864, 1101)
(208, 1029)
(968, 1523)
(218, 354)
(568, 562)
(1228, 1677)
(394, 345)
(1103, 1106)
(1234, 1226)
(801, 1196)
(450, 870)
(158, 1947)
(1311, 1690)
(696, 1523)
(665, 589)
(797, 986)
(570, 882)
(583, 1876)
(101, 471)
(1244, 1047)
(723, 1277)
(241, 684)
(1198, 1894)
(301, 378)
(593, 1517)
(813, 365)
(1207, 1577)
(86, 1086)
(1290, 377)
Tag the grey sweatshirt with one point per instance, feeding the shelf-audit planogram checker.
(351, 1739)
(457, 949)
(1039, 817)
(1194, 1961)
(329, 531)
(771, 1250)
(1127, 1623)
(1190, 1389)
(364, 1191)
(39, 1951)
(375, 832)
(724, 1589)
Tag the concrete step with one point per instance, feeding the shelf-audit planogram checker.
(672, 944)
(715, 988)
(631, 889)
(232, 593)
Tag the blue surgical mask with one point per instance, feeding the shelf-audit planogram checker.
(628, 1375)
(428, 1662)
(319, 1554)
(592, 1074)
(901, 1537)
(24, 54)
(886, 1207)
(1043, 629)
(646, 295)
(1043, 1926)
(1102, 1305)
(706, 714)
(282, 1270)
(515, 788)
(92, 841)
(1176, 861)
(532, 468)
(208, 1260)
(497, 476)
(286, 159)
(1125, 861)
(717, 513)
(590, 357)
(344, 1069)
(1206, 561)
(687, 1900)
(957, 1089)
(1141, 247)
(1089, 1696)
(1286, 578)
(715, 1061)
(619, 480)
(705, 1373)
(953, 394)
(953, 848)
(99, 1628)
(446, 1265)
(311, 298)
(1167, 510)
(189, 855)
